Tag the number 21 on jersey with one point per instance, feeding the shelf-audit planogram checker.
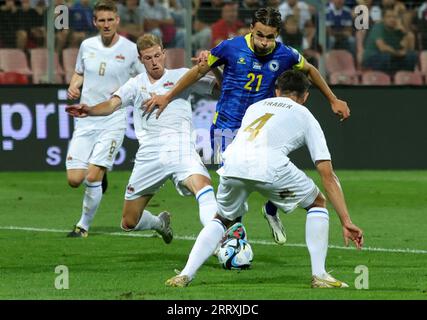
(257, 125)
(253, 80)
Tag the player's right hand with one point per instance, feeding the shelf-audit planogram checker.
(203, 56)
(354, 233)
(73, 93)
(77, 110)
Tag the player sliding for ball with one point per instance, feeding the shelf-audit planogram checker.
(166, 148)
(257, 161)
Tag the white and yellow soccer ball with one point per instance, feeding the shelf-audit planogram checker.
(235, 254)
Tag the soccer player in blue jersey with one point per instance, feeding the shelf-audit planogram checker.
(252, 63)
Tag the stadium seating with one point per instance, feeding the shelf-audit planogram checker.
(39, 66)
(408, 78)
(69, 57)
(175, 58)
(375, 78)
(341, 67)
(13, 78)
(14, 60)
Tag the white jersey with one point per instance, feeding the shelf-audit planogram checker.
(271, 129)
(173, 130)
(104, 70)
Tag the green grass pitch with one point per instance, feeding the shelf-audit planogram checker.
(37, 209)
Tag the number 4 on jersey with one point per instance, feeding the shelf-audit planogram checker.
(258, 124)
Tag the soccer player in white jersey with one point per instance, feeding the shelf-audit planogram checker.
(166, 148)
(104, 63)
(257, 161)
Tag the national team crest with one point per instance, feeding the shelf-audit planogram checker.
(274, 65)
(120, 58)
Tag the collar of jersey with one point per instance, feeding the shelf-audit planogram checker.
(248, 42)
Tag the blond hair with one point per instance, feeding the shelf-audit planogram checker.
(148, 40)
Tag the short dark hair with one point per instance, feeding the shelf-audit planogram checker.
(268, 16)
(293, 82)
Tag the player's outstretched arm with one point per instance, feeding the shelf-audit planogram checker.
(101, 109)
(339, 107)
(189, 78)
(76, 82)
(336, 196)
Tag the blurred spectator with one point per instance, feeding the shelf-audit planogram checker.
(30, 26)
(131, 19)
(422, 26)
(177, 12)
(8, 13)
(339, 22)
(247, 9)
(290, 35)
(61, 35)
(211, 10)
(81, 22)
(159, 21)
(299, 9)
(229, 25)
(374, 11)
(388, 47)
(202, 33)
(374, 17)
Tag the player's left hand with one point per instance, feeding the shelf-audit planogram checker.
(354, 233)
(155, 102)
(341, 108)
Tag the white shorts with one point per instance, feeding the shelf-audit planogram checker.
(293, 188)
(150, 172)
(97, 147)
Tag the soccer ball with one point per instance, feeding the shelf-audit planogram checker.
(235, 254)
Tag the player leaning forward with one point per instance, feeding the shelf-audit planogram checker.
(166, 148)
(104, 63)
(257, 161)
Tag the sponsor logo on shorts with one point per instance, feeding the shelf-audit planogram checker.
(69, 158)
(130, 189)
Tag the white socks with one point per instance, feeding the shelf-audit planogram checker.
(316, 237)
(205, 245)
(91, 201)
(148, 221)
(207, 204)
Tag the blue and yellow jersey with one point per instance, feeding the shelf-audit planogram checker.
(247, 77)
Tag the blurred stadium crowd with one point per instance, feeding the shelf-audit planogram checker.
(392, 51)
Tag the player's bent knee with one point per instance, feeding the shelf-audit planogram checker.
(74, 183)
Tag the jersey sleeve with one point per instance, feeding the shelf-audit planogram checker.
(218, 54)
(297, 59)
(79, 62)
(315, 140)
(127, 92)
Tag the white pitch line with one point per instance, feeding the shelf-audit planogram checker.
(192, 238)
